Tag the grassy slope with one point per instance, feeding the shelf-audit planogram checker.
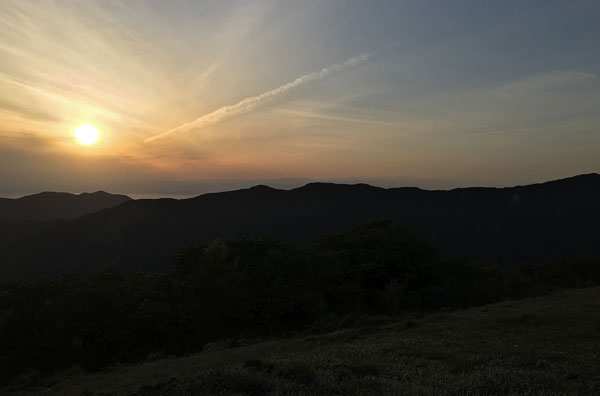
(543, 346)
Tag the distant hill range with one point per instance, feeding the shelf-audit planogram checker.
(496, 225)
(56, 205)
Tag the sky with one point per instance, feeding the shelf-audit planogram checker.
(197, 96)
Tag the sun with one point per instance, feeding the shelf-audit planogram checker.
(86, 134)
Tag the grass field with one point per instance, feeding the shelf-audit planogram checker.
(543, 346)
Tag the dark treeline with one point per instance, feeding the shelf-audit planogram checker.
(248, 287)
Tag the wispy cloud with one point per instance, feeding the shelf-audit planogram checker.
(329, 117)
(250, 104)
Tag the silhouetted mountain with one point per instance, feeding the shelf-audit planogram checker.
(56, 205)
(497, 225)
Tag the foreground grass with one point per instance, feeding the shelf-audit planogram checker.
(543, 346)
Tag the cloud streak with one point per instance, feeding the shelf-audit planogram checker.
(250, 104)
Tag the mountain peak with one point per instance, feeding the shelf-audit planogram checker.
(261, 187)
(50, 205)
(582, 181)
(329, 187)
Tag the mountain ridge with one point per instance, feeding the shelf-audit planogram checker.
(51, 205)
(497, 225)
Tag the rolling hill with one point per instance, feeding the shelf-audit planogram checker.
(56, 205)
(498, 225)
(541, 346)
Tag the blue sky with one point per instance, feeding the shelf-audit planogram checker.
(447, 94)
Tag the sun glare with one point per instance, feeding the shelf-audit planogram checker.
(86, 134)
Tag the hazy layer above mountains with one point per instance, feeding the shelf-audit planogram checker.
(497, 225)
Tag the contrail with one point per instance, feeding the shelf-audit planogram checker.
(249, 104)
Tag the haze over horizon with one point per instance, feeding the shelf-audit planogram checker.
(190, 97)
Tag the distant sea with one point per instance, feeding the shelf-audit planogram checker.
(158, 196)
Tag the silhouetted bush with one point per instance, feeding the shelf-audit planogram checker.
(229, 288)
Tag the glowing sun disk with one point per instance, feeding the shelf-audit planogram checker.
(86, 134)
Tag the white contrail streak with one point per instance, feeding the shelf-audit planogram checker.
(249, 104)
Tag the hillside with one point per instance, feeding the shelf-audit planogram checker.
(56, 205)
(542, 346)
(497, 225)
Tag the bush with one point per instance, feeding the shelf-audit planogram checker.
(251, 286)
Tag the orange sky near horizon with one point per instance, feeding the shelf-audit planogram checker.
(198, 92)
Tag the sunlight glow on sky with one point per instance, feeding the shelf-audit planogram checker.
(192, 96)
